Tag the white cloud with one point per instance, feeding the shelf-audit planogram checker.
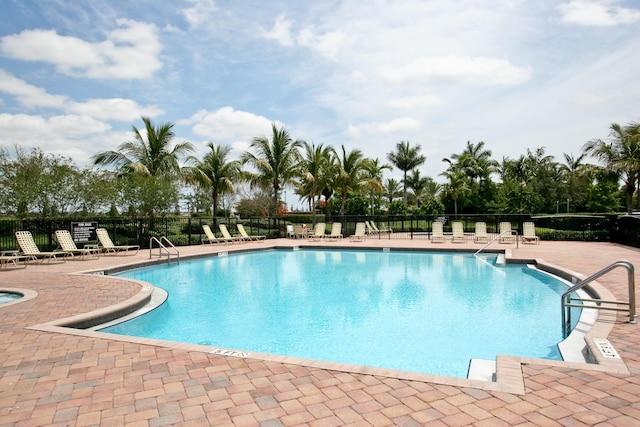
(228, 125)
(37, 128)
(458, 70)
(598, 13)
(77, 137)
(413, 102)
(395, 126)
(281, 31)
(103, 109)
(130, 51)
(120, 109)
(28, 95)
(200, 14)
(328, 43)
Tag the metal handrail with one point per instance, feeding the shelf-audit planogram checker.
(567, 299)
(512, 232)
(162, 247)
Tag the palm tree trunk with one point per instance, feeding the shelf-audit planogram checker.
(214, 196)
(313, 210)
(404, 188)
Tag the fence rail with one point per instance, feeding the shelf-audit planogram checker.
(188, 230)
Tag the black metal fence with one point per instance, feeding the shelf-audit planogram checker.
(183, 231)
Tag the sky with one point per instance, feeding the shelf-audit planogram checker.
(76, 76)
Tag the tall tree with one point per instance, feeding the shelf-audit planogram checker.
(456, 187)
(391, 189)
(152, 155)
(372, 174)
(150, 163)
(576, 184)
(620, 153)
(276, 160)
(417, 183)
(348, 174)
(215, 173)
(476, 165)
(406, 158)
(315, 171)
(39, 183)
(474, 162)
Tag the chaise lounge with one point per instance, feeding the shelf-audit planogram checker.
(247, 236)
(31, 252)
(66, 244)
(107, 244)
(437, 232)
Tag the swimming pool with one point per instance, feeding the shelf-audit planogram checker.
(429, 312)
(7, 297)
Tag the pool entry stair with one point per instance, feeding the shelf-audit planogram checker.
(568, 301)
(165, 248)
(510, 232)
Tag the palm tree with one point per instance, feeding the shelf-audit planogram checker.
(574, 178)
(621, 153)
(348, 173)
(572, 164)
(315, 172)
(151, 165)
(391, 189)
(406, 158)
(373, 178)
(215, 174)
(474, 161)
(456, 187)
(277, 162)
(417, 184)
(152, 156)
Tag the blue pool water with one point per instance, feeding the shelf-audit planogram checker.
(7, 297)
(415, 311)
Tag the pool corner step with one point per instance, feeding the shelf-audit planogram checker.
(482, 370)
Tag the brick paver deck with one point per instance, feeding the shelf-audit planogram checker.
(52, 376)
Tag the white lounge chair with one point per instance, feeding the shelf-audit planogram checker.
(31, 252)
(227, 237)
(360, 234)
(457, 234)
(318, 232)
(529, 233)
(107, 244)
(12, 257)
(247, 236)
(66, 244)
(382, 229)
(369, 229)
(506, 233)
(209, 238)
(437, 232)
(300, 232)
(336, 231)
(480, 235)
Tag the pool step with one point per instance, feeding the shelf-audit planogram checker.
(482, 370)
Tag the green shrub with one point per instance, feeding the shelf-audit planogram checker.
(397, 207)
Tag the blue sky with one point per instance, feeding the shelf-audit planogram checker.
(75, 76)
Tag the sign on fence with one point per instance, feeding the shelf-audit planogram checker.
(83, 232)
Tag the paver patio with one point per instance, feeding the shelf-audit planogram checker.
(49, 376)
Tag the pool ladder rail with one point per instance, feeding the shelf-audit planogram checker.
(165, 248)
(630, 306)
(510, 232)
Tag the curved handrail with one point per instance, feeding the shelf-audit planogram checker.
(162, 247)
(512, 232)
(566, 299)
